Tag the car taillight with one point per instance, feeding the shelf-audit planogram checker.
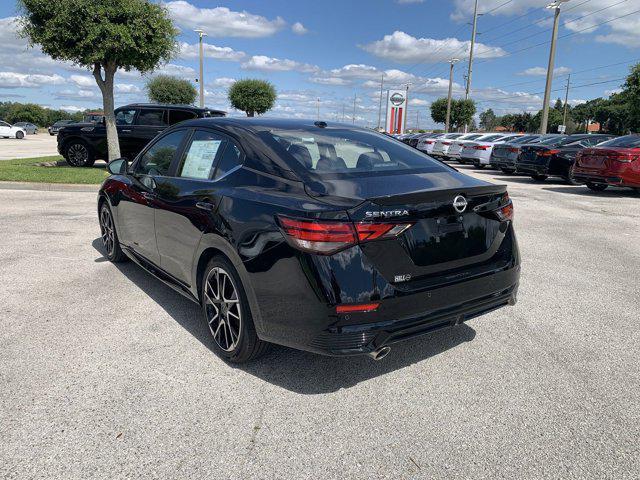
(446, 143)
(513, 149)
(505, 211)
(362, 307)
(622, 157)
(548, 153)
(480, 147)
(327, 237)
(429, 142)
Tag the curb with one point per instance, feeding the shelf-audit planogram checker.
(49, 187)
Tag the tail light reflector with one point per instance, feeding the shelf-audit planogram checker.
(548, 153)
(363, 307)
(505, 211)
(480, 147)
(429, 142)
(327, 237)
(446, 143)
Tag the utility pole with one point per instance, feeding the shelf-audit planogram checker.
(552, 57)
(201, 33)
(417, 119)
(473, 43)
(380, 106)
(406, 105)
(318, 105)
(354, 108)
(566, 102)
(452, 62)
(343, 113)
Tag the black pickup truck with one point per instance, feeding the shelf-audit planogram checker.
(81, 144)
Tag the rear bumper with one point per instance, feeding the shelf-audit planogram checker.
(475, 298)
(624, 176)
(532, 169)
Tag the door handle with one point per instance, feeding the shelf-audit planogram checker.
(125, 131)
(148, 196)
(205, 206)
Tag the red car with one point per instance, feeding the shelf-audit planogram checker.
(615, 162)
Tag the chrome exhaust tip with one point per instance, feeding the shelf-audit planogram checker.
(380, 353)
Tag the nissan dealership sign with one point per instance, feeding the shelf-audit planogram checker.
(396, 111)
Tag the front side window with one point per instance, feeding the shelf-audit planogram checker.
(4, 124)
(157, 160)
(124, 117)
(153, 118)
(200, 156)
(333, 151)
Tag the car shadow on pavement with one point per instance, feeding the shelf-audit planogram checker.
(584, 191)
(294, 370)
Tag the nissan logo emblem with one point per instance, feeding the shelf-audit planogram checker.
(397, 99)
(460, 204)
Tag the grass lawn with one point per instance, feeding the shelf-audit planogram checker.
(26, 170)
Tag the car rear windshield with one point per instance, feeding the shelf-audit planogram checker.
(553, 140)
(628, 141)
(331, 151)
(522, 139)
(489, 138)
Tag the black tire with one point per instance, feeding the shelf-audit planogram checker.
(52, 134)
(109, 235)
(247, 346)
(539, 178)
(596, 187)
(508, 171)
(78, 154)
(570, 180)
(19, 135)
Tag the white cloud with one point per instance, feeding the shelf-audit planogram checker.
(623, 31)
(22, 80)
(177, 71)
(334, 81)
(190, 51)
(222, 22)
(541, 71)
(608, 93)
(71, 108)
(83, 81)
(299, 29)
(224, 82)
(270, 64)
(84, 95)
(419, 102)
(403, 48)
(127, 89)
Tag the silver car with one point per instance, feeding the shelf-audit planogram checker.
(28, 127)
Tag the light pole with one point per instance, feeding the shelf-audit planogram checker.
(566, 102)
(552, 57)
(473, 42)
(380, 105)
(452, 62)
(201, 33)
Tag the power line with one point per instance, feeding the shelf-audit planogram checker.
(497, 8)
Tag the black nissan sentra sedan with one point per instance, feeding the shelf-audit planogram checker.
(323, 237)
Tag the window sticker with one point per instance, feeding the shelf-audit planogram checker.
(199, 161)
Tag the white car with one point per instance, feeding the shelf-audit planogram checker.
(456, 146)
(479, 151)
(441, 147)
(9, 131)
(426, 143)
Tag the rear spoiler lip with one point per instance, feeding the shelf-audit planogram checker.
(436, 194)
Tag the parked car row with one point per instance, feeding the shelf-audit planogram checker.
(11, 131)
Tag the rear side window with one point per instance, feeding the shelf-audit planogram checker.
(628, 141)
(230, 159)
(157, 160)
(154, 118)
(177, 116)
(200, 156)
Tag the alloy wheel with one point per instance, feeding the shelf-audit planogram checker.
(78, 154)
(107, 231)
(222, 305)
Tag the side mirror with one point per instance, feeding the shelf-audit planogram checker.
(118, 166)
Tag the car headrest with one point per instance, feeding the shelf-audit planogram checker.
(327, 164)
(368, 160)
(302, 154)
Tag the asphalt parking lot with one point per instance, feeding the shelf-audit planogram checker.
(39, 145)
(107, 373)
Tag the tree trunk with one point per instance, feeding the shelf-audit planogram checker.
(106, 87)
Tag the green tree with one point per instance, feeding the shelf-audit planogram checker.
(631, 94)
(103, 36)
(462, 112)
(488, 120)
(168, 89)
(252, 96)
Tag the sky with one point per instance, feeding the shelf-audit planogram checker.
(323, 54)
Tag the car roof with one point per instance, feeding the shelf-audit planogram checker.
(256, 124)
(171, 106)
